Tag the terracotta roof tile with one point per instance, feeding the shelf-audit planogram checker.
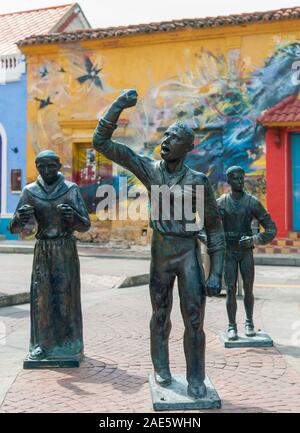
(165, 26)
(287, 110)
(19, 25)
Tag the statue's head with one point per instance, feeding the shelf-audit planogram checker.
(48, 165)
(236, 177)
(177, 141)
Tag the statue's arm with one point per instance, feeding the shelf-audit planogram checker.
(264, 219)
(81, 221)
(139, 165)
(16, 225)
(215, 238)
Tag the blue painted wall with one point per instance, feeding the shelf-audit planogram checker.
(13, 102)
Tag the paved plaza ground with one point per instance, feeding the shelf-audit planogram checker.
(114, 374)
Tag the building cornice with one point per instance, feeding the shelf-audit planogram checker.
(229, 33)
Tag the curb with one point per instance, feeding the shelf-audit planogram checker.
(135, 280)
(29, 249)
(259, 259)
(113, 256)
(276, 261)
(16, 299)
(16, 249)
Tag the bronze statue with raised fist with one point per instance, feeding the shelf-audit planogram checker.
(174, 250)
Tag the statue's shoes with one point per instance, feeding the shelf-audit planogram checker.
(163, 377)
(197, 391)
(249, 331)
(232, 334)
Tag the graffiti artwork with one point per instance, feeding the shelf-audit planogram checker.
(220, 95)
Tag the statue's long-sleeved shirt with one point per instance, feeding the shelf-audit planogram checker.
(183, 182)
(237, 216)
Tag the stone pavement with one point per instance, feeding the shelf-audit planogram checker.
(114, 374)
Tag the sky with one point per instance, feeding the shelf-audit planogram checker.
(105, 13)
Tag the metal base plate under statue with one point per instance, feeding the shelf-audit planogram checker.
(174, 397)
(261, 339)
(73, 362)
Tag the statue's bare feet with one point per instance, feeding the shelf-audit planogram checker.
(232, 334)
(249, 329)
(163, 377)
(37, 353)
(197, 391)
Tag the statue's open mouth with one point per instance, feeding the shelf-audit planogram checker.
(165, 149)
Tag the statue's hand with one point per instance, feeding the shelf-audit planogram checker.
(127, 98)
(213, 285)
(24, 213)
(67, 212)
(246, 242)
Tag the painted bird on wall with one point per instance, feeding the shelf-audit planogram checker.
(92, 73)
(44, 72)
(44, 102)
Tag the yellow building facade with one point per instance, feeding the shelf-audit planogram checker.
(219, 79)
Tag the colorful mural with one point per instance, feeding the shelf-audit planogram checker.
(222, 101)
(57, 85)
(219, 92)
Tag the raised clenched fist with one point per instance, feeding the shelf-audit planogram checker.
(127, 98)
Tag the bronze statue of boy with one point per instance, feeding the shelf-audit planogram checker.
(56, 319)
(174, 251)
(238, 209)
